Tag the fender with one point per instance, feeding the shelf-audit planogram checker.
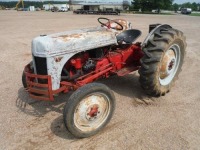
(152, 29)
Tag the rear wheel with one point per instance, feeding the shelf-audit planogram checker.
(89, 109)
(162, 61)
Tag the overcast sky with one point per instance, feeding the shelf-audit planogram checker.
(184, 1)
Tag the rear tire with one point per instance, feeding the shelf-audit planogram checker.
(88, 110)
(162, 61)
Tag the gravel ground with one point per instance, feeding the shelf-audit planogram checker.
(139, 122)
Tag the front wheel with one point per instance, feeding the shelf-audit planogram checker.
(24, 80)
(89, 109)
(24, 76)
(162, 61)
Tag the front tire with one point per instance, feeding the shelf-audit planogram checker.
(89, 109)
(24, 80)
(162, 61)
(24, 83)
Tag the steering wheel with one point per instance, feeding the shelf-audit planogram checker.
(108, 24)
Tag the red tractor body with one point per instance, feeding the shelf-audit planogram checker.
(118, 62)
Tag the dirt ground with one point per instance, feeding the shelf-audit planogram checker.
(139, 122)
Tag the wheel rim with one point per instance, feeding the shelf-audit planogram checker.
(92, 112)
(170, 64)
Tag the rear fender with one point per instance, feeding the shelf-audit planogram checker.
(153, 28)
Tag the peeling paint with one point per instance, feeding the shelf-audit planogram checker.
(60, 47)
(72, 41)
(58, 59)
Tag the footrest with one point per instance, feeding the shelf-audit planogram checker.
(127, 70)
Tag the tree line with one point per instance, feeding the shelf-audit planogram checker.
(149, 5)
(37, 4)
(194, 6)
(144, 5)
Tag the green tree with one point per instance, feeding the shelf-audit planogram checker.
(148, 5)
(186, 5)
(144, 5)
(195, 6)
(175, 7)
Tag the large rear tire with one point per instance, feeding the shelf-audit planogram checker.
(88, 110)
(162, 61)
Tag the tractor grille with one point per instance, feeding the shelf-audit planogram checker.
(41, 67)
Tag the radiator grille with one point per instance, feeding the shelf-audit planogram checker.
(41, 68)
(41, 65)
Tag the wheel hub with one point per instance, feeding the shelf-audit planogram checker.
(168, 64)
(171, 64)
(92, 112)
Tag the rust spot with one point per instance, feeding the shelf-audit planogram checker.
(58, 59)
(71, 36)
(93, 111)
(68, 37)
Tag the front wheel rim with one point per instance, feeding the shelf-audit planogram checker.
(170, 64)
(92, 112)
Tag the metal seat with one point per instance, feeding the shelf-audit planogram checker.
(128, 36)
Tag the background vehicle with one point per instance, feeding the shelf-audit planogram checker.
(63, 9)
(108, 11)
(54, 9)
(73, 60)
(186, 10)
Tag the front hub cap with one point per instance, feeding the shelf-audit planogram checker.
(169, 65)
(92, 112)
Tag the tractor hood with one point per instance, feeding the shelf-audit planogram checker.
(72, 41)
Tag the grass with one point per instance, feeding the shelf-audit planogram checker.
(195, 14)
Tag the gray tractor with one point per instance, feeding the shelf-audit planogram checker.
(74, 60)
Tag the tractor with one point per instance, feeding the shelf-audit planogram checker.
(74, 60)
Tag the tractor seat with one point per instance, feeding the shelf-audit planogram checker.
(128, 36)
